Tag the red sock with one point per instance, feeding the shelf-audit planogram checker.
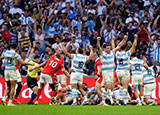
(38, 94)
(53, 93)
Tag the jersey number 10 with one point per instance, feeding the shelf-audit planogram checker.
(53, 64)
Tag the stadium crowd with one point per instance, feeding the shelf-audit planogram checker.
(43, 29)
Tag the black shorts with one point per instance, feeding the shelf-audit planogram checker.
(31, 82)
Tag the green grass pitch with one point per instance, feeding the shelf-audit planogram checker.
(44, 109)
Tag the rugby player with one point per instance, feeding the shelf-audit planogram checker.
(78, 63)
(107, 59)
(123, 68)
(10, 59)
(137, 76)
(51, 67)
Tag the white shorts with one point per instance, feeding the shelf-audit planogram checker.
(137, 79)
(108, 77)
(19, 78)
(47, 78)
(76, 78)
(123, 75)
(10, 75)
(62, 79)
(148, 88)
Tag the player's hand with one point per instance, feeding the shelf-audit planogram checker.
(98, 38)
(91, 47)
(135, 36)
(125, 37)
(63, 44)
(114, 38)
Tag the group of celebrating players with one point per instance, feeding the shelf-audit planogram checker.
(112, 64)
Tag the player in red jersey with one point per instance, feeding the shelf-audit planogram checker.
(51, 67)
(99, 79)
(61, 78)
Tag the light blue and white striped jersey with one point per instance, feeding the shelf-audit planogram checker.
(78, 62)
(93, 97)
(148, 75)
(136, 66)
(10, 59)
(107, 60)
(69, 91)
(157, 53)
(123, 59)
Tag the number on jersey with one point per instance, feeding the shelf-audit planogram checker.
(9, 60)
(120, 61)
(137, 66)
(53, 64)
(80, 64)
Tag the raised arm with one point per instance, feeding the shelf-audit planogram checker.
(1, 57)
(65, 51)
(121, 43)
(91, 52)
(98, 46)
(132, 50)
(33, 49)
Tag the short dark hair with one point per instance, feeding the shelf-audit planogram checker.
(36, 56)
(80, 50)
(124, 46)
(134, 54)
(106, 44)
(14, 46)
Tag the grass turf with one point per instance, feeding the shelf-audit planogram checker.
(44, 109)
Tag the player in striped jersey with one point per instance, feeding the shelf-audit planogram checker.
(149, 84)
(123, 68)
(93, 96)
(137, 76)
(107, 58)
(78, 63)
(10, 59)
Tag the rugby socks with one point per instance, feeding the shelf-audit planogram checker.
(85, 98)
(33, 96)
(10, 101)
(74, 94)
(53, 94)
(138, 100)
(125, 97)
(4, 97)
(38, 94)
(142, 98)
(110, 95)
(104, 95)
(18, 90)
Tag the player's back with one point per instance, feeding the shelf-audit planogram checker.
(53, 64)
(78, 62)
(10, 58)
(148, 75)
(136, 66)
(123, 59)
(93, 96)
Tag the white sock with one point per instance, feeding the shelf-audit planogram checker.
(10, 101)
(4, 97)
(110, 95)
(138, 100)
(142, 98)
(74, 94)
(104, 95)
(85, 98)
